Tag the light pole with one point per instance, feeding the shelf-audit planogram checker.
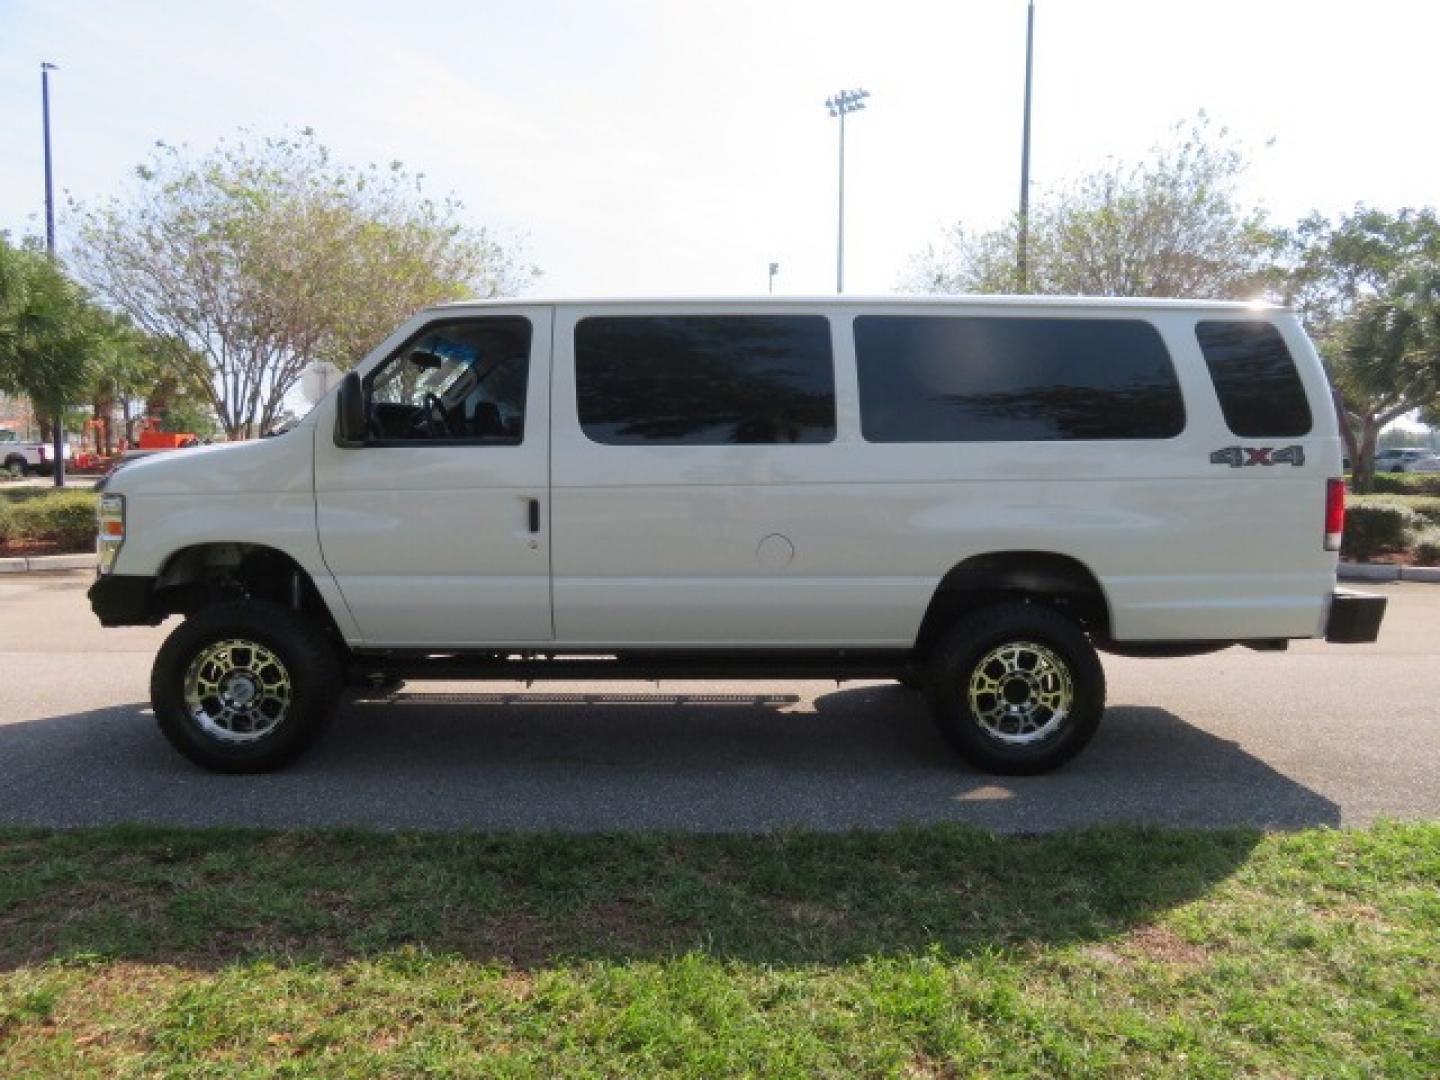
(45, 68)
(774, 269)
(1024, 238)
(846, 101)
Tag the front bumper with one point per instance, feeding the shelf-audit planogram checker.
(1354, 617)
(123, 600)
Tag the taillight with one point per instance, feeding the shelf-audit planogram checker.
(1334, 513)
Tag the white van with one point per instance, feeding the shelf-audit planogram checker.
(971, 496)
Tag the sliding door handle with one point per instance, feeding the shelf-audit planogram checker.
(534, 515)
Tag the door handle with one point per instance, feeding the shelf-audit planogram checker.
(534, 515)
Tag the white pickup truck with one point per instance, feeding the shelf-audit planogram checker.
(971, 496)
(24, 458)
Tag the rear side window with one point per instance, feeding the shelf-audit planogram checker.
(940, 379)
(705, 380)
(1255, 378)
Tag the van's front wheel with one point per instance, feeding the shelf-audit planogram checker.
(245, 686)
(1017, 689)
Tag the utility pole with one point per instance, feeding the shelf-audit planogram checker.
(774, 269)
(45, 69)
(1022, 268)
(846, 101)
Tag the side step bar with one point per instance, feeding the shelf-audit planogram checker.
(526, 667)
(764, 701)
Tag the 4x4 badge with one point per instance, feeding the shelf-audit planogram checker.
(1239, 456)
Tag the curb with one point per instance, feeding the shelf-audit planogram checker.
(1350, 571)
(41, 563)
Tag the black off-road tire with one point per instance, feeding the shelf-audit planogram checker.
(309, 658)
(1068, 669)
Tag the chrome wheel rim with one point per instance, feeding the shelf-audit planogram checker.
(1021, 692)
(237, 690)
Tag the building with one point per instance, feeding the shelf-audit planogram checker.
(16, 415)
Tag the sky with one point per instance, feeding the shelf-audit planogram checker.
(632, 147)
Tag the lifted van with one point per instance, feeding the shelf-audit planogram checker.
(971, 496)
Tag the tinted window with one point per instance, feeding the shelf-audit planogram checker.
(936, 379)
(1255, 378)
(460, 380)
(705, 380)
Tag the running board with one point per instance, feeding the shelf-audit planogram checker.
(528, 667)
(767, 701)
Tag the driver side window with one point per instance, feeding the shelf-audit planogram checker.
(459, 381)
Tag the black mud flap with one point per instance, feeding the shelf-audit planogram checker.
(1354, 617)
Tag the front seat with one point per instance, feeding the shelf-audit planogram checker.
(485, 422)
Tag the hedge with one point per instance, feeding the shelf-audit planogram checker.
(1427, 507)
(1426, 548)
(1407, 484)
(1373, 525)
(64, 518)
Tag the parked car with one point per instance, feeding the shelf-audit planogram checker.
(1427, 464)
(25, 458)
(1401, 459)
(972, 496)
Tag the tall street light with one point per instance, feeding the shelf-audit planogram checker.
(45, 68)
(846, 101)
(774, 269)
(1021, 248)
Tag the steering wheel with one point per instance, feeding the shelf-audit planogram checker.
(434, 418)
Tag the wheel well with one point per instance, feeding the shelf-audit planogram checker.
(1061, 583)
(197, 577)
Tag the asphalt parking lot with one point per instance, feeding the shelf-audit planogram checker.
(1321, 735)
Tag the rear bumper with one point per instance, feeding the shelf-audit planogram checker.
(121, 600)
(1354, 617)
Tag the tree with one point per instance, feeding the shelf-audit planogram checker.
(1368, 288)
(125, 365)
(47, 332)
(1168, 225)
(256, 259)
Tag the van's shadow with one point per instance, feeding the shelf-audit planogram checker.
(866, 757)
(637, 779)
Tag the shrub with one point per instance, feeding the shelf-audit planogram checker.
(1373, 526)
(1427, 507)
(64, 518)
(1426, 548)
(1407, 483)
(7, 521)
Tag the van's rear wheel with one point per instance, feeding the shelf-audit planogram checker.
(1017, 689)
(245, 686)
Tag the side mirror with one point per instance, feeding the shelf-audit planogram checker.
(351, 424)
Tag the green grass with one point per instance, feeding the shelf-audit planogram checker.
(17, 494)
(926, 952)
(1425, 507)
(1407, 483)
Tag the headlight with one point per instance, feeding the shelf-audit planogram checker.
(110, 518)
